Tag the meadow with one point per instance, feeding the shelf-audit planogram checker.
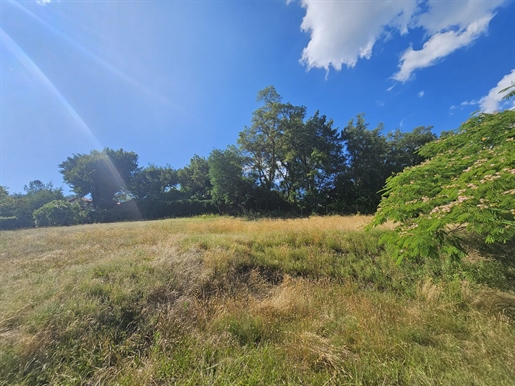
(233, 301)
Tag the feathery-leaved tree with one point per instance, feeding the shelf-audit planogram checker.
(466, 184)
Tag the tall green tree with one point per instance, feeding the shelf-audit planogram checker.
(194, 179)
(102, 174)
(366, 166)
(312, 160)
(263, 142)
(231, 188)
(403, 147)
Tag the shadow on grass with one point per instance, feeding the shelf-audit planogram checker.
(491, 264)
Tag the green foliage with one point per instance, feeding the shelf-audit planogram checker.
(313, 158)
(59, 213)
(510, 92)
(370, 158)
(366, 152)
(194, 179)
(153, 181)
(286, 154)
(468, 183)
(16, 210)
(4, 192)
(7, 223)
(403, 148)
(102, 174)
(263, 142)
(226, 175)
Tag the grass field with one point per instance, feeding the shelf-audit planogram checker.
(224, 301)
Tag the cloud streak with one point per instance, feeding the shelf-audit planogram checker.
(439, 46)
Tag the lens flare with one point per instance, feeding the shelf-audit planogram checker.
(88, 54)
(36, 72)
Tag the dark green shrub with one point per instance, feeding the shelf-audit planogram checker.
(58, 213)
(7, 223)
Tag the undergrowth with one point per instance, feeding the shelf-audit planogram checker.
(223, 301)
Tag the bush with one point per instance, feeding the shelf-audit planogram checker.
(58, 213)
(7, 223)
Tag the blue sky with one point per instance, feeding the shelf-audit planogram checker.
(170, 79)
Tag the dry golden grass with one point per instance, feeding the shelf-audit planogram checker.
(224, 301)
(256, 227)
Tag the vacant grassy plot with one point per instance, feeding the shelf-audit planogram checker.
(221, 301)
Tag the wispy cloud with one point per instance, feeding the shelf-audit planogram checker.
(44, 2)
(344, 32)
(421, 94)
(439, 46)
(472, 102)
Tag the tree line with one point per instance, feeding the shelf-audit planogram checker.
(283, 163)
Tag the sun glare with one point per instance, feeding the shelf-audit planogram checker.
(37, 74)
(90, 55)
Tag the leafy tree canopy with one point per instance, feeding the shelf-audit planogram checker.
(4, 192)
(194, 178)
(20, 207)
(226, 174)
(153, 181)
(510, 92)
(264, 141)
(467, 183)
(102, 174)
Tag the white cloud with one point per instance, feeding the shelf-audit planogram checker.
(493, 101)
(439, 46)
(421, 94)
(342, 32)
(443, 15)
(43, 2)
